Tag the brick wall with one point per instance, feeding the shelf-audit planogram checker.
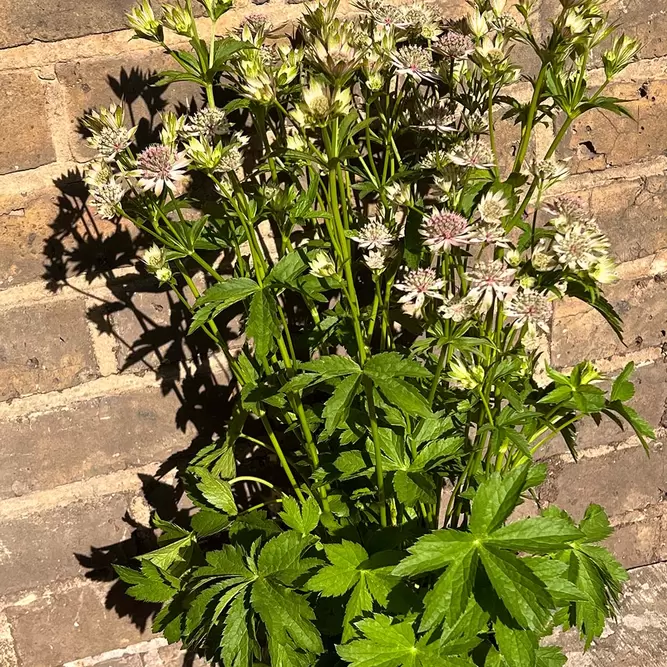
(100, 389)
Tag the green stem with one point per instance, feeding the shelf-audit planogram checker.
(250, 478)
(281, 457)
(530, 118)
(379, 471)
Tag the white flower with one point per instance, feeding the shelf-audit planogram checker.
(445, 230)
(491, 279)
(472, 153)
(398, 193)
(492, 233)
(373, 236)
(513, 258)
(493, 207)
(160, 167)
(542, 259)
(465, 377)
(415, 62)
(155, 258)
(580, 247)
(322, 265)
(418, 285)
(458, 309)
(477, 23)
(377, 260)
(208, 124)
(567, 211)
(604, 271)
(106, 198)
(529, 307)
(454, 45)
(109, 134)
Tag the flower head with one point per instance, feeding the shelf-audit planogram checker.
(490, 233)
(414, 61)
(142, 20)
(604, 271)
(458, 309)
(454, 45)
(529, 307)
(580, 246)
(493, 207)
(109, 134)
(445, 230)
(322, 266)
(567, 211)
(320, 103)
(491, 279)
(208, 124)
(373, 236)
(160, 167)
(106, 198)
(465, 377)
(434, 115)
(377, 260)
(473, 153)
(418, 285)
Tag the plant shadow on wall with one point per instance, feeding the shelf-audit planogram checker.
(148, 327)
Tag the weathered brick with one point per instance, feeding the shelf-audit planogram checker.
(639, 543)
(68, 625)
(171, 656)
(100, 82)
(42, 547)
(631, 213)
(620, 481)
(601, 139)
(122, 661)
(25, 138)
(639, 638)
(89, 438)
(641, 303)
(48, 235)
(31, 20)
(44, 347)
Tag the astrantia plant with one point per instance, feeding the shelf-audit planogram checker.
(395, 286)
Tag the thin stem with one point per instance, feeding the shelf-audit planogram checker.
(250, 478)
(379, 471)
(281, 457)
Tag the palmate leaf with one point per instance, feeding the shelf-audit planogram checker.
(387, 644)
(237, 642)
(434, 551)
(403, 395)
(413, 487)
(216, 491)
(536, 535)
(333, 366)
(337, 407)
(550, 656)
(394, 365)
(622, 389)
(228, 292)
(150, 584)
(517, 646)
(343, 573)
(304, 517)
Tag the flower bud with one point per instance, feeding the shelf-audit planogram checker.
(142, 20)
(322, 266)
(178, 19)
(477, 23)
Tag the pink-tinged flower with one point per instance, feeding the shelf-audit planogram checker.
(418, 285)
(472, 153)
(458, 309)
(445, 230)
(160, 167)
(373, 236)
(454, 45)
(529, 307)
(415, 62)
(491, 233)
(491, 279)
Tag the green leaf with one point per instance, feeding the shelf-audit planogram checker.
(337, 407)
(226, 561)
(436, 452)
(262, 324)
(536, 535)
(330, 367)
(522, 593)
(517, 646)
(595, 524)
(289, 268)
(301, 518)
(434, 551)
(449, 597)
(393, 364)
(358, 605)
(166, 556)
(150, 584)
(343, 573)
(550, 656)
(282, 553)
(387, 644)
(496, 499)
(287, 615)
(227, 47)
(403, 395)
(414, 487)
(622, 389)
(237, 642)
(216, 491)
(228, 292)
(208, 522)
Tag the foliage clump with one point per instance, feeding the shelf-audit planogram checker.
(394, 268)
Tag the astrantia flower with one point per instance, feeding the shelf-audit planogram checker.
(472, 153)
(493, 207)
(549, 171)
(208, 124)
(434, 115)
(414, 61)
(465, 377)
(106, 197)
(458, 309)
(160, 167)
(454, 45)
(377, 260)
(422, 20)
(322, 265)
(320, 103)
(97, 173)
(445, 230)
(567, 211)
(155, 257)
(604, 271)
(434, 160)
(398, 193)
(490, 233)
(580, 247)
(418, 285)
(109, 134)
(529, 307)
(373, 236)
(542, 259)
(491, 279)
